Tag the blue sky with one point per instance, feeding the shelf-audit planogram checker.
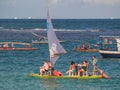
(77, 9)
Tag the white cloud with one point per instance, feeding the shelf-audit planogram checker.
(109, 2)
(53, 2)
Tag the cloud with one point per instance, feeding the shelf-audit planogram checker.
(109, 2)
(53, 2)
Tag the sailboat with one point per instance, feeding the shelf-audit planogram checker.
(56, 50)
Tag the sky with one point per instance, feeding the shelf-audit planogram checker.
(60, 9)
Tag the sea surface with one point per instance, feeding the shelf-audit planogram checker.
(15, 66)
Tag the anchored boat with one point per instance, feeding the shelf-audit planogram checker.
(8, 46)
(86, 50)
(109, 46)
(42, 39)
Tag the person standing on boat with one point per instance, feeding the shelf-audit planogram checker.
(94, 61)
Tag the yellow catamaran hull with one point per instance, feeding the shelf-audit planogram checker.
(66, 76)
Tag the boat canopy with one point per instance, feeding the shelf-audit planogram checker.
(118, 43)
(108, 36)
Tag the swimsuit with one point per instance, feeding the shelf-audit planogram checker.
(73, 70)
(84, 68)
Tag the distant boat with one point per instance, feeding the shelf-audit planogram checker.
(87, 48)
(42, 40)
(8, 46)
(109, 46)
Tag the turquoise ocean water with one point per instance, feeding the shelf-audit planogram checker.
(15, 66)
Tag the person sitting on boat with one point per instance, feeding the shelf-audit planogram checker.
(77, 48)
(51, 69)
(44, 69)
(83, 47)
(27, 46)
(83, 69)
(94, 61)
(90, 46)
(80, 71)
(72, 69)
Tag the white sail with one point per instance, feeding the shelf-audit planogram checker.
(55, 47)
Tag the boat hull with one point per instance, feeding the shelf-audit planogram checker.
(15, 49)
(87, 50)
(43, 42)
(65, 76)
(110, 54)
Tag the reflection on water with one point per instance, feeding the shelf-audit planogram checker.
(49, 84)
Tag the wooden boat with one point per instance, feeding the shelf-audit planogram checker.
(105, 44)
(86, 50)
(8, 46)
(65, 76)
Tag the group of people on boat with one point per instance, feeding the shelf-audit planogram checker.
(83, 69)
(83, 47)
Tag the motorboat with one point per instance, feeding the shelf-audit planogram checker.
(109, 46)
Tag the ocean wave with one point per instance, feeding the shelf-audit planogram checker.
(57, 30)
(69, 30)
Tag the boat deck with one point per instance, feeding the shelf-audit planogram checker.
(66, 76)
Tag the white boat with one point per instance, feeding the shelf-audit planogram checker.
(109, 46)
(43, 41)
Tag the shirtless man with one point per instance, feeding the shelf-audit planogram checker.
(72, 69)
